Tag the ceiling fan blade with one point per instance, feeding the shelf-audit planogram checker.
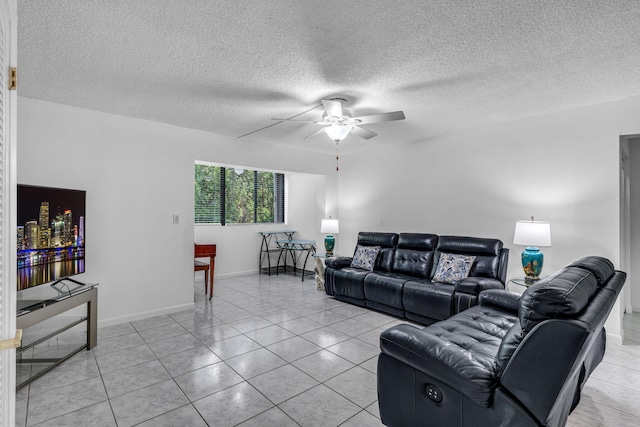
(300, 121)
(377, 118)
(314, 133)
(362, 132)
(333, 108)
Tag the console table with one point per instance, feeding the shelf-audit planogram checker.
(45, 302)
(296, 248)
(266, 248)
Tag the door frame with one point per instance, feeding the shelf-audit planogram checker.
(8, 289)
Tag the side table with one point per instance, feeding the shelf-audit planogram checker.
(521, 284)
(296, 248)
(319, 270)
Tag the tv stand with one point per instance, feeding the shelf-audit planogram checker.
(48, 306)
(60, 286)
(69, 279)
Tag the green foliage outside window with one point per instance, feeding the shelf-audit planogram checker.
(237, 196)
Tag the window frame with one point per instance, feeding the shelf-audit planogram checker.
(278, 193)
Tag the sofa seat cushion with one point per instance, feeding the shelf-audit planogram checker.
(459, 351)
(428, 299)
(385, 288)
(349, 282)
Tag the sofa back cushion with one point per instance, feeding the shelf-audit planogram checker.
(414, 254)
(387, 243)
(600, 267)
(486, 251)
(561, 295)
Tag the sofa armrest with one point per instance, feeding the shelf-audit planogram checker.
(339, 262)
(435, 356)
(475, 285)
(499, 298)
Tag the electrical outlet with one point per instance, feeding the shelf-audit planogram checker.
(176, 219)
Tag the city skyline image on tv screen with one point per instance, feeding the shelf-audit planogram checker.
(50, 234)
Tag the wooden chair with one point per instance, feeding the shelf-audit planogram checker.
(202, 266)
(205, 251)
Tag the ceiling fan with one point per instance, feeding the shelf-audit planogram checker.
(337, 122)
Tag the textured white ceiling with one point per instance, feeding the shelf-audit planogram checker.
(230, 66)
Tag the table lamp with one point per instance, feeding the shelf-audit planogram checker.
(532, 234)
(329, 226)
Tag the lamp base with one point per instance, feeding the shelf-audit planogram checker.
(532, 261)
(329, 244)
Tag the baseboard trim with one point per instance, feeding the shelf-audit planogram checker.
(614, 338)
(236, 274)
(144, 315)
(248, 272)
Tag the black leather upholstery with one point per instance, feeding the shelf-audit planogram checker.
(430, 300)
(349, 282)
(601, 267)
(508, 361)
(561, 295)
(400, 283)
(459, 351)
(414, 254)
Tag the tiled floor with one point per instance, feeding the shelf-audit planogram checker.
(266, 351)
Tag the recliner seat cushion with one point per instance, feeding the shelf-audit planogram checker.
(459, 351)
(560, 295)
(428, 299)
(385, 288)
(349, 282)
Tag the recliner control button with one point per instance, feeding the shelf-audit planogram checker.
(433, 393)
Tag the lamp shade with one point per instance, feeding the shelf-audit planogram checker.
(330, 226)
(532, 233)
(337, 132)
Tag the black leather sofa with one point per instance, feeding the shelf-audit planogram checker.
(401, 281)
(510, 361)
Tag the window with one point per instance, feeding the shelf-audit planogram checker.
(237, 196)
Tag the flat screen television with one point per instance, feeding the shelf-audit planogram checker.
(51, 234)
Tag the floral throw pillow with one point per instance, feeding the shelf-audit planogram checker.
(365, 257)
(453, 268)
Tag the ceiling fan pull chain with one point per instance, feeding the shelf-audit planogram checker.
(337, 156)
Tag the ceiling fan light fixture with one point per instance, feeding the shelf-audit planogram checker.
(337, 132)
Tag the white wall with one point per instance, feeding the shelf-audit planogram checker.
(137, 174)
(561, 168)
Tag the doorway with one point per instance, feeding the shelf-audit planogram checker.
(630, 221)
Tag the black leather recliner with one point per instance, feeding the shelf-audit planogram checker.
(401, 282)
(510, 361)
